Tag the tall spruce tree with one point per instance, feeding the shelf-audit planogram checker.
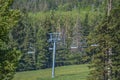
(107, 57)
(114, 31)
(9, 56)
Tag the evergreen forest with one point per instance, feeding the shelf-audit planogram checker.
(89, 34)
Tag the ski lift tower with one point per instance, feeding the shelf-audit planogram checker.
(54, 38)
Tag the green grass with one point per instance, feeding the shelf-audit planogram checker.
(74, 72)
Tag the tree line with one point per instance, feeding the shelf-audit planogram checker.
(24, 35)
(33, 28)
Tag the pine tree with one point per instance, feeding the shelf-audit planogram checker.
(9, 56)
(107, 57)
(114, 31)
